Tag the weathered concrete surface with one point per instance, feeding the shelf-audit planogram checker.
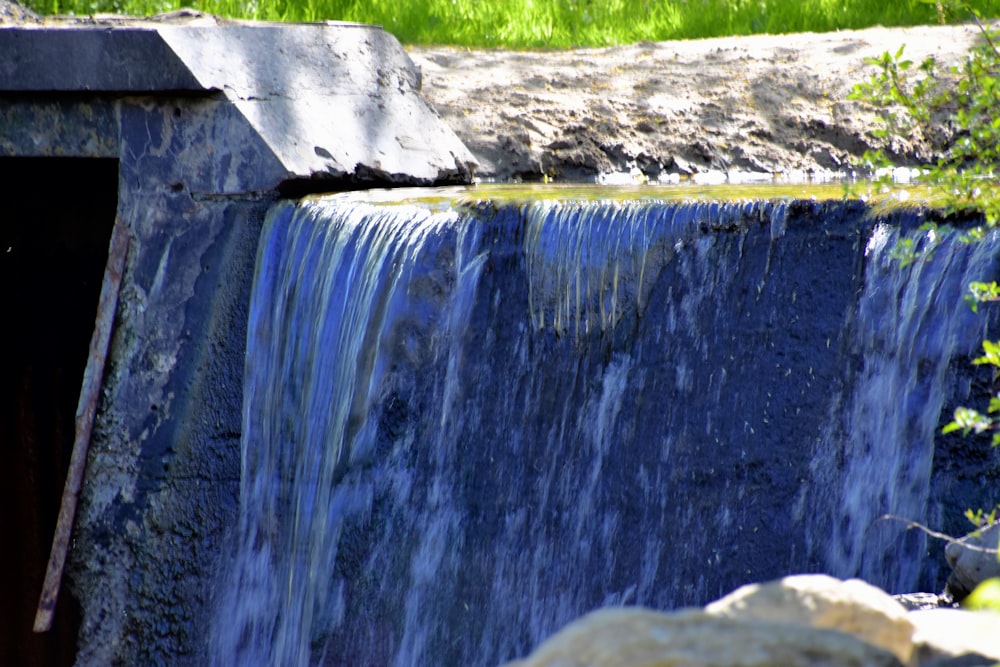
(331, 102)
(210, 123)
(102, 60)
(335, 101)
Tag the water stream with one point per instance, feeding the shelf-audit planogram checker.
(464, 427)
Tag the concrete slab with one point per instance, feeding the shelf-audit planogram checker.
(331, 101)
(328, 99)
(77, 59)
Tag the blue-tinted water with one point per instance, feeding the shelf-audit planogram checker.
(464, 428)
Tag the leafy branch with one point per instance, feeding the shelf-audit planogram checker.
(952, 111)
(956, 114)
(969, 420)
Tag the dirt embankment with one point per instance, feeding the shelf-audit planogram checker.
(771, 103)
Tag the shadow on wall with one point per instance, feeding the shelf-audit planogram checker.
(56, 216)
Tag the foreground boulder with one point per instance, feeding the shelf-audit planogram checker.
(635, 637)
(945, 633)
(820, 601)
(810, 620)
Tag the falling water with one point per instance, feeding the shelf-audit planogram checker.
(911, 322)
(464, 428)
(331, 289)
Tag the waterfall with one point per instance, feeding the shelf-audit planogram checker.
(331, 290)
(465, 427)
(911, 322)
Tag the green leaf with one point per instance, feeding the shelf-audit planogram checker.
(976, 518)
(992, 356)
(972, 236)
(985, 596)
(968, 420)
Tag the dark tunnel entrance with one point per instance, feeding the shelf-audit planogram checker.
(56, 217)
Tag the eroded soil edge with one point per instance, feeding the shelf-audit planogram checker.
(771, 103)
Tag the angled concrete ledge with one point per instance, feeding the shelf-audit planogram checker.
(336, 102)
(206, 124)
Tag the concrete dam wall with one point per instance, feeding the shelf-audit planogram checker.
(183, 133)
(466, 427)
(545, 408)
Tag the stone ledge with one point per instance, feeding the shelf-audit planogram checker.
(332, 101)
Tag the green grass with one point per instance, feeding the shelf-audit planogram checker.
(552, 23)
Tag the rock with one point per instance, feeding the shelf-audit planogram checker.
(942, 633)
(821, 601)
(636, 637)
(965, 660)
(918, 601)
(12, 12)
(973, 559)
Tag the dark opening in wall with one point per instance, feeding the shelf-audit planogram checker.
(56, 216)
